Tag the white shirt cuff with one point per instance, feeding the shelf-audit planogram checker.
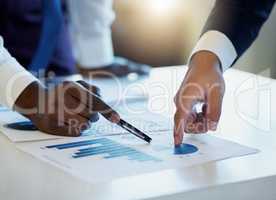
(13, 79)
(93, 52)
(219, 44)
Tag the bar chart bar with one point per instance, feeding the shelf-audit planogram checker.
(103, 146)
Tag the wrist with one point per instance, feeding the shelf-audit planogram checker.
(28, 101)
(206, 61)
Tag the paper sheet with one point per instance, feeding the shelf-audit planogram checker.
(90, 158)
(8, 116)
(116, 90)
(149, 123)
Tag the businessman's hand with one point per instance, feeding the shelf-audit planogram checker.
(203, 83)
(66, 109)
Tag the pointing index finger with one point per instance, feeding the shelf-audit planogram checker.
(179, 127)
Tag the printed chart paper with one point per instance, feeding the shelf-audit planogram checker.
(149, 123)
(8, 117)
(100, 159)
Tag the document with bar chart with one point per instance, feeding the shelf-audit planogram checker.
(100, 159)
(19, 129)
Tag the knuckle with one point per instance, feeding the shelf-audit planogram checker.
(67, 83)
(213, 118)
(216, 90)
(214, 111)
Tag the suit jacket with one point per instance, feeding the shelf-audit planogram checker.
(239, 20)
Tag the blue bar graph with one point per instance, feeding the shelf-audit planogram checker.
(78, 144)
(103, 146)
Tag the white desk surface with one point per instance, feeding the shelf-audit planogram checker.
(248, 118)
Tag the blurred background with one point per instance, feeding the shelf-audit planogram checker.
(163, 33)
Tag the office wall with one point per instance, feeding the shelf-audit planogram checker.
(157, 36)
(147, 32)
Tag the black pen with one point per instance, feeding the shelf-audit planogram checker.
(122, 123)
(127, 126)
(112, 116)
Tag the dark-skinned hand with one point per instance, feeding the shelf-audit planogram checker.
(65, 109)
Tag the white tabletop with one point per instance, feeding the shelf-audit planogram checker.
(247, 118)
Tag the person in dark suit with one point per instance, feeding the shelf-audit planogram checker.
(231, 28)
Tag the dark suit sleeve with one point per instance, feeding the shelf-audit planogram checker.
(239, 20)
